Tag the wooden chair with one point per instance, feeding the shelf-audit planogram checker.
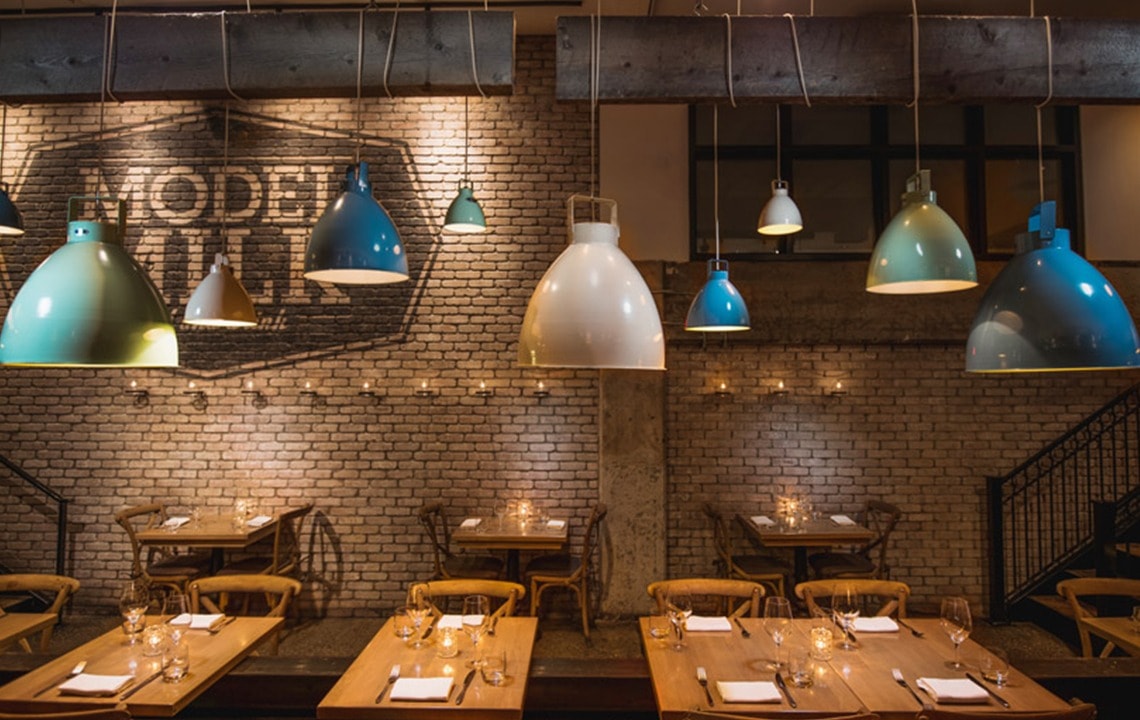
(562, 570)
(217, 595)
(1076, 588)
(892, 595)
(287, 552)
(765, 569)
(437, 593)
(724, 590)
(159, 565)
(63, 587)
(709, 715)
(448, 564)
(870, 560)
(118, 712)
(1081, 711)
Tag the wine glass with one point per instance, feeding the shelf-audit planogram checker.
(134, 599)
(174, 605)
(957, 623)
(777, 619)
(678, 609)
(476, 615)
(845, 603)
(418, 613)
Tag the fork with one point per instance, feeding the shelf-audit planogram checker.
(913, 631)
(902, 681)
(393, 676)
(703, 679)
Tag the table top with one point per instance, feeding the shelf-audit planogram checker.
(850, 680)
(510, 534)
(17, 626)
(814, 533)
(212, 655)
(215, 531)
(354, 695)
(1120, 630)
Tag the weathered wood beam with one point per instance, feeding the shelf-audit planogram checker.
(271, 55)
(851, 60)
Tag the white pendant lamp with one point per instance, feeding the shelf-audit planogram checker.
(781, 215)
(11, 221)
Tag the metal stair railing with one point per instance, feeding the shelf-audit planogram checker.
(61, 519)
(1041, 513)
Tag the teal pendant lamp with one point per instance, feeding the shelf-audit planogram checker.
(1050, 310)
(11, 221)
(464, 216)
(89, 304)
(718, 307)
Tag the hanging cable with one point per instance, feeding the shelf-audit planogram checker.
(226, 60)
(391, 48)
(110, 48)
(1043, 103)
(225, 176)
(360, 85)
(799, 60)
(3, 136)
(914, 70)
(728, 59)
(595, 63)
(474, 64)
(716, 179)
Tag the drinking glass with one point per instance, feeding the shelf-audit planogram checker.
(417, 613)
(777, 619)
(476, 615)
(494, 669)
(956, 622)
(176, 661)
(678, 609)
(994, 666)
(402, 622)
(845, 603)
(173, 605)
(134, 599)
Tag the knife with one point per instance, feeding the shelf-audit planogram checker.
(743, 630)
(848, 633)
(784, 688)
(149, 679)
(994, 695)
(466, 684)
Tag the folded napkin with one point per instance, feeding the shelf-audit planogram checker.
(698, 623)
(451, 621)
(258, 521)
(748, 691)
(173, 523)
(875, 625)
(470, 522)
(556, 524)
(95, 685)
(199, 621)
(763, 521)
(434, 688)
(953, 690)
(842, 520)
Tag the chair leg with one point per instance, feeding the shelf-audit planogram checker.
(584, 602)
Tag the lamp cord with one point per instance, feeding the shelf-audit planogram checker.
(108, 67)
(474, 65)
(728, 57)
(391, 48)
(225, 176)
(3, 136)
(914, 102)
(475, 77)
(779, 177)
(799, 60)
(716, 178)
(1043, 103)
(360, 85)
(226, 60)
(595, 62)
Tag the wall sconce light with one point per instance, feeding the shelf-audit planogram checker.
(200, 401)
(722, 390)
(540, 390)
(367, 391)
(424, 390)
(140, 394)
(483, 391)
(837, 389)
(780, 389)
(259, 400)
(310, 391)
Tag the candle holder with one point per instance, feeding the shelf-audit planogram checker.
(446, 642)
(309, 390)
(837, 390)
(200, 401)
(822, 641)
(140, 394)
(483, 391)
(366, 391)
(424, 391)
(780, 389)
(722, 391)
(540, 391)
(153, 640)
(258, 400)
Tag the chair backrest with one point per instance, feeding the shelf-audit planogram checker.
(709, 715)
(287, 539)
(1082, 711)
(722, 538)
(881, 517)
(217, 594)
(435, 523)
(1076, 588)
(434, 594)
(63, 587)
(718, 588)
(141, 517)
(892, 595)
(592, 538)
(118, 712)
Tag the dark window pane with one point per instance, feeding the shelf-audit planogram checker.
(744, 188)
(834, 197)
(749, 125)
(1011, 193)
(937, 125)
(1017, 125)
(831, 125)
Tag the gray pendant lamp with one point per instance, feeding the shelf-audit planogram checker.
(781, 215)
(11, 221)
(922, 250)
(220, 300)
(464, 216)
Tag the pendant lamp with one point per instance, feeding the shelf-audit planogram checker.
(1049, 309)
(11, 222)
(592, 308)
(781, 215)
(89, 304)
(464, 215)
(718, 307)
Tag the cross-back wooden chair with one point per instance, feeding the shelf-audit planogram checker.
(870, 560)
(563, 570)
(222, 593)
(766, 569)
(63, 587)
(159, 565)
(287, 548)
(440, 595)
(118, 712)
(724, 591)
(447, 563)
(1082, 711)
(1075, 589)
(891, 595)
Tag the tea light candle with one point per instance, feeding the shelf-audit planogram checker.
(447, 644)
(821, 641)
(153, 638)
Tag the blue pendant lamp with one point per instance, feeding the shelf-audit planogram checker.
(464, 216)
(718, 307)
(11, 222)
(1050, 310)
(89, 304)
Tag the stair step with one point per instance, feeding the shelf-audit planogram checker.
(1081, 572)
(1060, 605)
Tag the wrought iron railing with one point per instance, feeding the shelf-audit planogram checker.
(61, 515)
(1041, 513)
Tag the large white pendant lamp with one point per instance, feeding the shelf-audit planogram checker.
(11, 221)
(592, 308)
(781, 215)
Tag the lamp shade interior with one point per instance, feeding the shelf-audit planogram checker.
(220, 300)
(718, 307)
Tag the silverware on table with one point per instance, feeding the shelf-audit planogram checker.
(1004, 703)
(913, 630)
(79, 667)
(393, 676)
(494, 622)
(466, 684)
(784, 689)
(139, 686)
(743, 630)
(902, 681)
(850, 635)
(703, 679)
(218, 628)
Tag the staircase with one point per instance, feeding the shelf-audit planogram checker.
(19, 475)
(1065, 510)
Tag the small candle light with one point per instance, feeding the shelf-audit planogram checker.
(540, 390)
(424, 390)
(722, 389)
(308, 389)
(192, 385)
(780, 389)
(838, 388)
(140, 394)
(483, 390)
(153, 638)
(447, 644)
(821, 642)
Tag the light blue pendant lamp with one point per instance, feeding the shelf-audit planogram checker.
(1050, 310)
(89, 304)
(464, 216)
(11, 221)
(718, 307)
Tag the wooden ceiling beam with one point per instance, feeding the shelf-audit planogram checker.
(851, 60)
(271, 55)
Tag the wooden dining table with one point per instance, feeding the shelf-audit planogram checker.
(354, 695)
(212, 655)
(1121, 631)
(850, 680)
(14, 627)
(217, 533)
(513, 536)
(821, 533)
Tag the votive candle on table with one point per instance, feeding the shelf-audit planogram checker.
(153, 638)
(821, 642)
(447, 644)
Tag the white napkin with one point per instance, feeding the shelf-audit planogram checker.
(556, 524)
(199, 621)
(434, 688)
(95, 685)
(748, 691)
(842, 520)
(258, 521)
(454, 621)
(763, 521)
(173, 523)
(470, 522)
(953, 690)
(875, 625)
(699, 623)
